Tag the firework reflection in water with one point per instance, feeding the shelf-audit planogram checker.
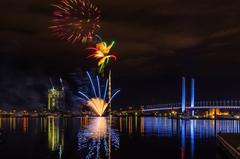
(98, 139)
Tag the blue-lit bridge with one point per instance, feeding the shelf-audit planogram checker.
(191, 106)
(157, 108)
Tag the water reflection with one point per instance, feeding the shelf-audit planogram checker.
(100, 137)
(25, 124)
(55, 135)
(97, 139)
(188, 132)
(99, 127)
(193, 129)
(183, 139)
(142, 126)
(192, 137)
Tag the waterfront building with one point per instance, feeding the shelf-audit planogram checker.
(56, 100)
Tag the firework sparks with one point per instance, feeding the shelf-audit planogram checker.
(102, 54)
(75, 20)
(97, 103)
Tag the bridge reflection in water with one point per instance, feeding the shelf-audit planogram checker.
(162, 126)
(185, 130)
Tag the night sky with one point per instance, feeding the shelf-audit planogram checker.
(157, 42)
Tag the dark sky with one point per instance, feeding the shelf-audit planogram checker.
(157, 42)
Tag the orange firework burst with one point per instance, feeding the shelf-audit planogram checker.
(75, 20)
(102, 53)
(98, 105)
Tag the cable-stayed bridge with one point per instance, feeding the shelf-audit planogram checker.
(193, 105)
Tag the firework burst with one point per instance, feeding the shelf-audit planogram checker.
(98, 103)
(75, 20)
(102, 54)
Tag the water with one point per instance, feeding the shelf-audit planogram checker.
(116, 138)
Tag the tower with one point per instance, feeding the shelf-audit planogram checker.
(183, 94)
(110, 89)
(192, 94)
(56, 98)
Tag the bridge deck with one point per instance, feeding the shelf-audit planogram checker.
(192, 108)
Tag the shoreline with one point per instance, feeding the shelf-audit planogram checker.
(79, 115)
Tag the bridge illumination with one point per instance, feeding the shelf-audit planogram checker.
(192, 95)
(183, 94)
(190, 108)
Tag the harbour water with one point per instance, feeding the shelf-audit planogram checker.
(116, 138)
